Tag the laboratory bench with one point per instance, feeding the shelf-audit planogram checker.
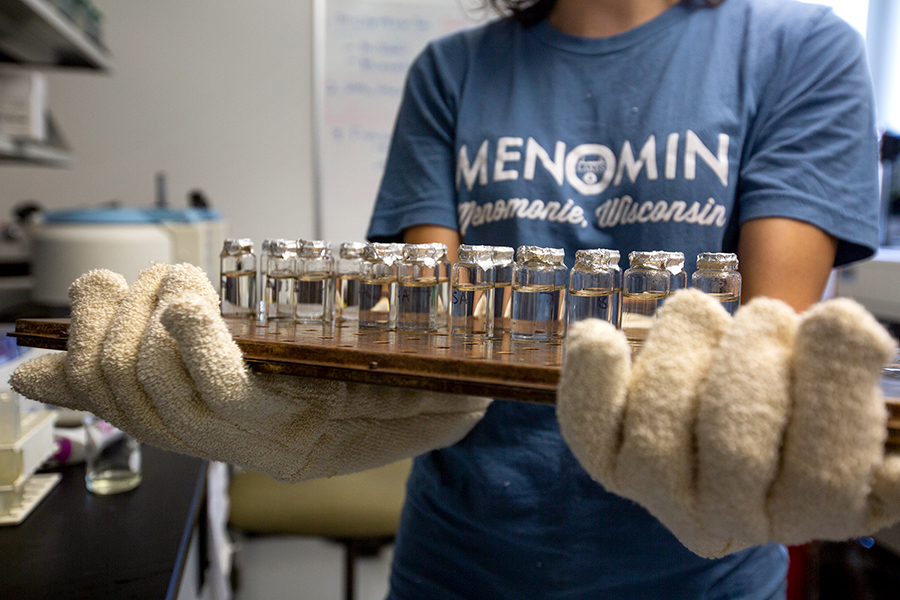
(146, 543)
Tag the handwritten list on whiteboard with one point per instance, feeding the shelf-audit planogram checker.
(369, 47)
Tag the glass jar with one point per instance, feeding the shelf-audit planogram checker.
(645, 287)
(594, 286)
(237, 284)
(313, 292)
(539, 294)
(348, 272)
(378, 286)
(472, 294)
(503, 258)
(278, 277)
(717, 275)
(675, 267)
(417, 294)
(112, 458)
(443, 274)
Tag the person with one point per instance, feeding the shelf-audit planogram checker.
(740, 126)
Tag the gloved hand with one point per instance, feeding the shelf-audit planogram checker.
(158, 362)
(735, 432)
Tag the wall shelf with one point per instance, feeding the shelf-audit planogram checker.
(35, 32)
(52, 152)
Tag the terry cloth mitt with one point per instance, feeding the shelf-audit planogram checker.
(158, 362)
(734, 432)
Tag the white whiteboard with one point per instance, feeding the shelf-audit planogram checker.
(362, 56)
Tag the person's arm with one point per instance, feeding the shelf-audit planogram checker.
(785, 259)
(430, 234)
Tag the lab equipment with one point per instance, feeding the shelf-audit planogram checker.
(417, 294)
(503, 258)
(472, 301)
(278, 277)
(595, 286)
(313, 292)
(645, 286)
(348, 272)
(444, 267)
(717, 274)
(539, 294)
(675, 267)
(237, 266)
(378, 286)
(112, 458)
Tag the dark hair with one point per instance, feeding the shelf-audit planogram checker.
(530, 12)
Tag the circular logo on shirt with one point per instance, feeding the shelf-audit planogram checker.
(589, 170)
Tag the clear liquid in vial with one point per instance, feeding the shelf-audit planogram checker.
(238, 291)
(592, 303)
(538, 313)
(347, 297)
(311, 298)
(375, 303)
(112, 458)
(730, 302)
(417, 302)
(470, 310)
(278, 301)
(639, 314)
(502, 306)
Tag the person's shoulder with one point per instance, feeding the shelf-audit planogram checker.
(781, 33)
(788, 18)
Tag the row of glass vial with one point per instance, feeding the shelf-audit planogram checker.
(302, 281)
(539, 306)
(389, 286)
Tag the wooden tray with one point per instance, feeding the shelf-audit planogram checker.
(499, 368)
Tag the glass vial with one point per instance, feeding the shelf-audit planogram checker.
(313, 292)
(417, 294)
(237, 286)
(645, 286)
(595, 286)
(112, 458)
(503, 258)
(278, 277)
(443, 298)
(348, 272)
(717, 275)
(472, 294)
(378, 286)
(539, 286)
(675, 267)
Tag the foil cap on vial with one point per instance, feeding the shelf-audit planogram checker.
(719, 261)
(536, 255)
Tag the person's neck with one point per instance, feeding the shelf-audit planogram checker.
(603, 18)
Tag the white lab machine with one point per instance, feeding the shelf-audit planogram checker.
(26, 442)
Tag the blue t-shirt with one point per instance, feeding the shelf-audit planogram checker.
(665, 137)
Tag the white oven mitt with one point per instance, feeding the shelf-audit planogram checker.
(735, 432)
(158, 361)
